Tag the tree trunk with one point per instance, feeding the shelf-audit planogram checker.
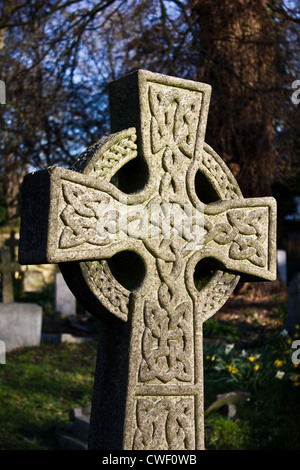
(12, 179)
(239, 59)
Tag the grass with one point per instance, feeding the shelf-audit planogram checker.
(242, 352)
(38, 388)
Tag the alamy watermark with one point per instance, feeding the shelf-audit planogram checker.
(296, 354)
(2, 352)
(2, 92)
(101, 219)
(296, 95)
(156, 221)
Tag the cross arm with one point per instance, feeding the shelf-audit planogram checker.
(66, 217)
(241, 234)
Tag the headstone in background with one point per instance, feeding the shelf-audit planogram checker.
(33, 281)
(293, 306)
(77, 436)
(12, 242)
(20, 325)
(148, 391)
(281, 263)
(7, 269)
(2, 352)
(65, 302)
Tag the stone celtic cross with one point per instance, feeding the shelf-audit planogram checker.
(148, 391)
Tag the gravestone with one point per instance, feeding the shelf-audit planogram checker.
(12, 242)
(33, 281)
(20, 325)
(2, 352)
(179, 214)
(281, 263)
(7, 269)
(65, 302)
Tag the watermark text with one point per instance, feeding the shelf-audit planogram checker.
(296, 354)
(296, 95)
(2, 92)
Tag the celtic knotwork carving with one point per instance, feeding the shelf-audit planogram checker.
(217, 173)
(245, 231)
(106, 157)
(249, 246)
(115, 157)
(216, 292)
(166, 343)
(164, 423)
(174, 119)
(112, 294)
(167, 339)
(105, 165)
(172, 215)
(80, 216)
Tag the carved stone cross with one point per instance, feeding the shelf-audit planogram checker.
(12, 243)
(179, 213)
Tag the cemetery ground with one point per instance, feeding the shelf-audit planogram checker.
(245, 352)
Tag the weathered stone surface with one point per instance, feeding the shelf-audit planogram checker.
(65, 302)
(184, 209)
(20, 325)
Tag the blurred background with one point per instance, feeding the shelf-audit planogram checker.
(57, 58)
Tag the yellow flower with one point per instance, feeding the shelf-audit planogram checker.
(232, 369)
(296, 335)
(213, 358)
(295, 380)
(289, 341)
(207, 357)
(256, 367)
(278, 363)
(251, 358)
(297, 327)
(295, 366)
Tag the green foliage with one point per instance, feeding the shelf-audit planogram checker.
(280, 311)
(270, 419)
(225, 434)
(216, 329)
(38, 388)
